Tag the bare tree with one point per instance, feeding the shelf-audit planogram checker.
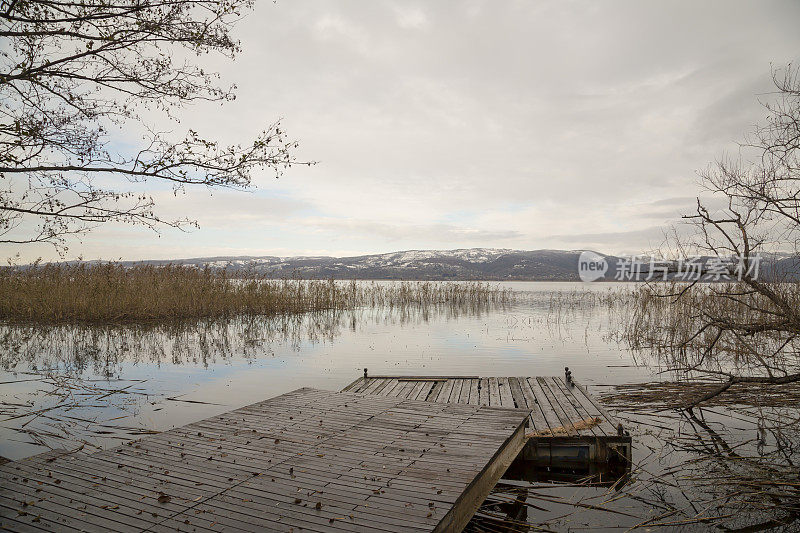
(754, 323)
(70, 71)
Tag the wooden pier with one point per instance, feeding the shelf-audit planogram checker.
(308, 460)
(567, 427)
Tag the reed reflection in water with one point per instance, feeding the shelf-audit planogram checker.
(94, 385)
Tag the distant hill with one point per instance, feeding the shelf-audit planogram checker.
(462, 264)
(492, 264)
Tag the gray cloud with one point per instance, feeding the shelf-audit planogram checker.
(443, 234)
(478, 123)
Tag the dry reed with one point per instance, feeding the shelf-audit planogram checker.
(111, 293)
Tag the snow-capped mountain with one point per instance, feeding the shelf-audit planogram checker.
(468, 264)
(460, 264)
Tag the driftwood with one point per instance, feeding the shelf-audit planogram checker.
(676, 395)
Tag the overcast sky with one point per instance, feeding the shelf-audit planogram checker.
(473, 124)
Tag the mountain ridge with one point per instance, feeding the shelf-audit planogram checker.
(491, 264)
(486, 264)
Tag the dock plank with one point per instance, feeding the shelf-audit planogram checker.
(483, 396)
(583, 425)
(473, 392)
(424, 390)
(549, 414)
(494, 393)
(355, 461)
(466, 387)
(434, 392)
(516, 393)
(354, 385)
(388, 388)
(561, 415)
(383, 383)
(586, 409)
(506, 399)
(538, 421)
(567, 426)
(444, 393)
(417, 388)
(371, 386)
(455, 394)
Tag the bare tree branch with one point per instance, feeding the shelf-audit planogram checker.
(70, 68)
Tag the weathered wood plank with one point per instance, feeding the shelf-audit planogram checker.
(483, 394)
(538, 421)
(456, 392)
(356, 462)
(383, 383)
(353, 385)
(516, 393)
(415, 389)
(434, 393)
(435, 378)
(494, 393)
(566, 427)
(473, 392)
(447, 389)
(586, 408)
(370, 386)
(387, 389)
(583, 425)
(469, 501)
(425, 390)
(549, 414)
(506, 400)
(466, 386)
(398, 388)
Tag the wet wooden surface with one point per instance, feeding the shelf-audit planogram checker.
(557, 408)
(308, 460)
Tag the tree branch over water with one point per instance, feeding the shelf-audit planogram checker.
(743, 332)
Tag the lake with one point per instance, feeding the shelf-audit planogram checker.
(116, 383)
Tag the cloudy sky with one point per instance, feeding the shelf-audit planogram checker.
(473, 124)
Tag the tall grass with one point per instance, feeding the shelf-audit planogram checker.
(109, 293)
(680, 326)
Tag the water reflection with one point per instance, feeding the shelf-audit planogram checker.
(184, 372)
(102, 350)
(95, 385)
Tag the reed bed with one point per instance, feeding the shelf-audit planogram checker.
(112, 293)
(665, 316)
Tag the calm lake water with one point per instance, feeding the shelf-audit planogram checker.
(234, 364)
(110, 384)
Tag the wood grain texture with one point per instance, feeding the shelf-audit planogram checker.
(557, 409)
(309, 459)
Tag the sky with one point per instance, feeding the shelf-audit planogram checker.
(440, 125)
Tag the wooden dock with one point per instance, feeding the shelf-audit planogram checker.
(308, 460)
(568, 428)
